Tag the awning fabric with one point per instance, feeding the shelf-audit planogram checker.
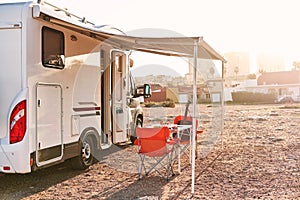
(169, 46)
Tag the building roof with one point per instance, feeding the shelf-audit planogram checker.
(279, 78)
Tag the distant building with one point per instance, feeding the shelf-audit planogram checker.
(177, 94)
(281, 83)
(277, 83)
(238, 63)
(185, 93)
(163, 80)
(268, 62)
(206, 70)
(279, 78)
(159, 93)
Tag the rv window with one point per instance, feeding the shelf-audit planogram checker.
(53, 48)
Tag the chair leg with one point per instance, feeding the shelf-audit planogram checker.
(172, 159)
(168, 167)
(140, 167)
(171, 166)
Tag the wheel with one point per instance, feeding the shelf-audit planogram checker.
(139, 123)
(86, 158)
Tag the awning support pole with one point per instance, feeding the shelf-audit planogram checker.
(222, 105)
(194, 114)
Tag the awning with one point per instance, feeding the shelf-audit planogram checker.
(169, 46)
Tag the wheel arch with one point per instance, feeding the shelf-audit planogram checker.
(92, 132)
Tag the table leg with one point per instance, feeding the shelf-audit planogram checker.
(179, 162)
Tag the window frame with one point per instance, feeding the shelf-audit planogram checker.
(60, 57)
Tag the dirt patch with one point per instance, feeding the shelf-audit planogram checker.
(258, 158)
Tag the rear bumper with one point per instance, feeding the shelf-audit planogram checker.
(4, 163)
(15, 158)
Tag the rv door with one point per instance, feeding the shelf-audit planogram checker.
(120, 112)
(49, 123)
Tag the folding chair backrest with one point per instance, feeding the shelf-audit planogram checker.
(152, 141)
(182, 120)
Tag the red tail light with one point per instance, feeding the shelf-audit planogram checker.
(18, 123)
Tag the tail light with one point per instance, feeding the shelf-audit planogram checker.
(18, 123)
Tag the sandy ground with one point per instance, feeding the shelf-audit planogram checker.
(258, 157)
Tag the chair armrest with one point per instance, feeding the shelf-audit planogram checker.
(173, 141)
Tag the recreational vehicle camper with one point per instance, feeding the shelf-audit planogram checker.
(65, 91)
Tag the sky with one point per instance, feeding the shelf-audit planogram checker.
(249, 25)
(253, 26)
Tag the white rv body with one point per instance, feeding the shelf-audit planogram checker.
(76, 94)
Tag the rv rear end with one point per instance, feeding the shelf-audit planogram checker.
(14, 140)
(49, 110)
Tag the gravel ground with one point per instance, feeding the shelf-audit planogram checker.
(258, 158)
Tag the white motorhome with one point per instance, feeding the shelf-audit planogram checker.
(63, 93)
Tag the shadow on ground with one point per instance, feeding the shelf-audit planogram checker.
(18, 186)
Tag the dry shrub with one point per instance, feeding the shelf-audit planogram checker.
(250, 97)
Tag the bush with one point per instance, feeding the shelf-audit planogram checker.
(169, 104)
(250, 97)
(149, 104)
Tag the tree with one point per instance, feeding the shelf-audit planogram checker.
(296, 65)
(261, 71)
(236, 71)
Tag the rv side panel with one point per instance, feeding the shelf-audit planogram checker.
(14, 151)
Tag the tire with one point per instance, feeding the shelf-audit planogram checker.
(139, 123)
(86, 158)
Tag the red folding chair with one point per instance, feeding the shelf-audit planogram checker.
(185, 136)
(154, 151)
